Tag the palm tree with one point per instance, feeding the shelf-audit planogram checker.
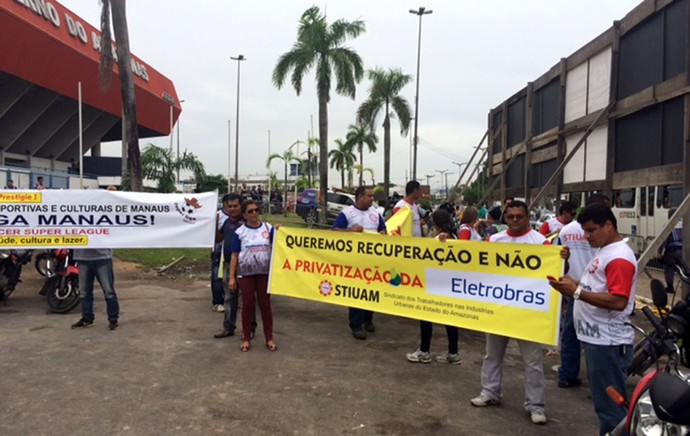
(287, 157)
(124, 64)
(320, 45)
(159, 164)
(342, 159)
(384, 94)
(361, 170)
(360, 135)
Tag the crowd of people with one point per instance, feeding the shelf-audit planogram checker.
(598, 288)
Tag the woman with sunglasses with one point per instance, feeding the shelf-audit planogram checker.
(249, 264)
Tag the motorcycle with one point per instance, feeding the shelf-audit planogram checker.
(11, 263)
(45, 263)
(643, 357)
(659, 403)
(62, 287)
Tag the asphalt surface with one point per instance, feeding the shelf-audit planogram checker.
(162, 372)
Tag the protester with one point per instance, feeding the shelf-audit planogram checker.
(573, 237)
(249, 266)
(96, 263)
(604, 298)
(360, 217)
(412, 195)
(441, 220)
(39, 183)
(467, 224)
(10, 184)
(671, 251)
(217, 291)
(566, 213)
(492, 224)
(232, 204)
(519, 231)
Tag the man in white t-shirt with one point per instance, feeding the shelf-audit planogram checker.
(412, 195)
(566, 214)
(604, 298)
(573, 237)
(360, 217)
(516, 214)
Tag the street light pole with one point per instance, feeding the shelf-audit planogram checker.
(178, 144)
(444, 176)
(420, 12)
(428, 178)
(239, 59)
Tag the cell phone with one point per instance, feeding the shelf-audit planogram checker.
(552, 278)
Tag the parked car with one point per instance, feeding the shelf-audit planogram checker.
(308, 201)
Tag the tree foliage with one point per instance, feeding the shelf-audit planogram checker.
(384, 97)
(159, 164)
(321, 47)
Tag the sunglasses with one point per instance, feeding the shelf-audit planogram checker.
(252, 211)
(515, 217)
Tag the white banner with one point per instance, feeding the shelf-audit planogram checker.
(106, 219)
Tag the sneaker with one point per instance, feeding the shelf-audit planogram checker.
(82, 323)
(483, 401)
(419, 356)
(537, 417)
(113, 325)
(369, 327)
(569, 384)
(359, 334)
(224, 334)
(218, 308)
(453, 359)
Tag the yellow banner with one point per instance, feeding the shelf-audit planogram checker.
(489, 287)
(400, 223)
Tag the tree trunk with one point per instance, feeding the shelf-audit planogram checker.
(129, 108)
(342, 178)
(361, 162)
(323, 155)
(386, 154)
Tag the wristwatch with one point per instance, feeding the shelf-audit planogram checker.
(576, 294)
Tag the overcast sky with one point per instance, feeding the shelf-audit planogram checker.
(475, 54)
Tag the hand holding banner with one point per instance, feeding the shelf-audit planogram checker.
(400, 223)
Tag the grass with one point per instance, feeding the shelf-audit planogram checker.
(195, 258)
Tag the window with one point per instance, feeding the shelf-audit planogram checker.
(516, 122)
(624, 198)
(498, 139)
(545, 107)
(669, 196)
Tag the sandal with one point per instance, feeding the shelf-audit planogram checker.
(245, 346)
(271, 346)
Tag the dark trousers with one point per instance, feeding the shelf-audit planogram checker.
(426, 329)
(217, 296)
(670, 258)
(358, 317)
(255, 288)
(569, 371)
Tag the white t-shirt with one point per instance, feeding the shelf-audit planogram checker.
(613, 270)
(573, 237)
(416, 218)
(529, 237)
(551, 226)
(254, 248)
(465, 230)
(352, 216)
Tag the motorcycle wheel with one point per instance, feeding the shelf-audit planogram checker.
(62, 301)
(5, 288)
(45, 264)
(641, 362)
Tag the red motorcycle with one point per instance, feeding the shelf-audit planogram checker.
(659, 403)
(62, 283)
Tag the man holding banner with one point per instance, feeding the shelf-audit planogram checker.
(412, 195)
(519, 231)
(360, 217)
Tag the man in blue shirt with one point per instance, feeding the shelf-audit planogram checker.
(360, 217)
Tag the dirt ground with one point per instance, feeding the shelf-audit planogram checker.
(163, 372)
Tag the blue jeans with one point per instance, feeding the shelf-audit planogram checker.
(569, 371)
(102, 270)
(216, 283)
(230, 301)
(607, 365)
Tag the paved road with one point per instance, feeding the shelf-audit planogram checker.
(162, 372)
